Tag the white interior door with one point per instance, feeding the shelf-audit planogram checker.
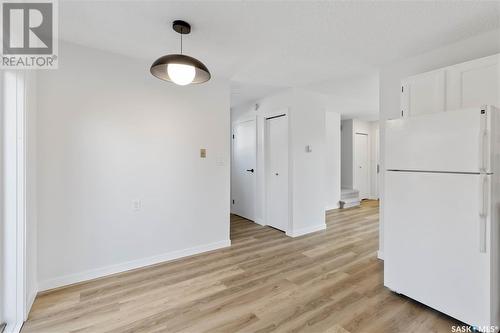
(243, 169)
(433, 239)
(361, 164)
(277, 172)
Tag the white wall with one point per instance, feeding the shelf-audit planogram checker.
(390, 79)
(309, 169)
(307, 127)
(332, 181)
(110, 134)
(355, 97)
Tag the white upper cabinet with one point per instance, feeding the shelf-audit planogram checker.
(424, 93)
(469, 84)
(473, 83)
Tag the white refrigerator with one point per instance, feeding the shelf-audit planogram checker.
(441, 212)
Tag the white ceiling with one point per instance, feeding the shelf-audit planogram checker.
(265, 46)
(354, 97)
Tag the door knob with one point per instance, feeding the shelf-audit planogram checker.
(250, 170)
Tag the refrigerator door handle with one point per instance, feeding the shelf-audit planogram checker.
(484, 142)
(483, 214)
(484, 152)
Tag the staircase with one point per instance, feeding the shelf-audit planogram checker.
(349, 198)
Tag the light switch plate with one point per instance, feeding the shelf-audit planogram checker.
(203, 153)
(136, 205)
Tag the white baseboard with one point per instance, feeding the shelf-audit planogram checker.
(260, 221)
(16, 327)
(13, 328)
(306, 230)
(332, 207)
(380, 255)
(31, 300)
(352, 204)
(126, 266)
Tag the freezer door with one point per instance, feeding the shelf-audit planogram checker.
(454, 141)
(437, 243)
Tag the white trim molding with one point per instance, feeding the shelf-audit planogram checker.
(260, 221)
(333, 207)
(380, 255)
(13, 328)
(30, 300)
(306, 230)
(14, 305)
(129, 265)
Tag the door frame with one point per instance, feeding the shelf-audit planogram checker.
(14, 201)
(273, 114)
(233, 125)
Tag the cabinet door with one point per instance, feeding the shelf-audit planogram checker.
(423, 93)
(473, 83)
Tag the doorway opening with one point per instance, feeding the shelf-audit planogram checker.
(243, 169)
(359, 161)
(259, 171)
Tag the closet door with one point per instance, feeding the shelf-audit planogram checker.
(423, 94)
(362, 165)
(277, 172)
(473, 83)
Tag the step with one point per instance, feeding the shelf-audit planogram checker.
(349, 197)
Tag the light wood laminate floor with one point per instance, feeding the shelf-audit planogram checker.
(329, 281)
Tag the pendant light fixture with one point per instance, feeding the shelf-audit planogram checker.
(179, 68)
